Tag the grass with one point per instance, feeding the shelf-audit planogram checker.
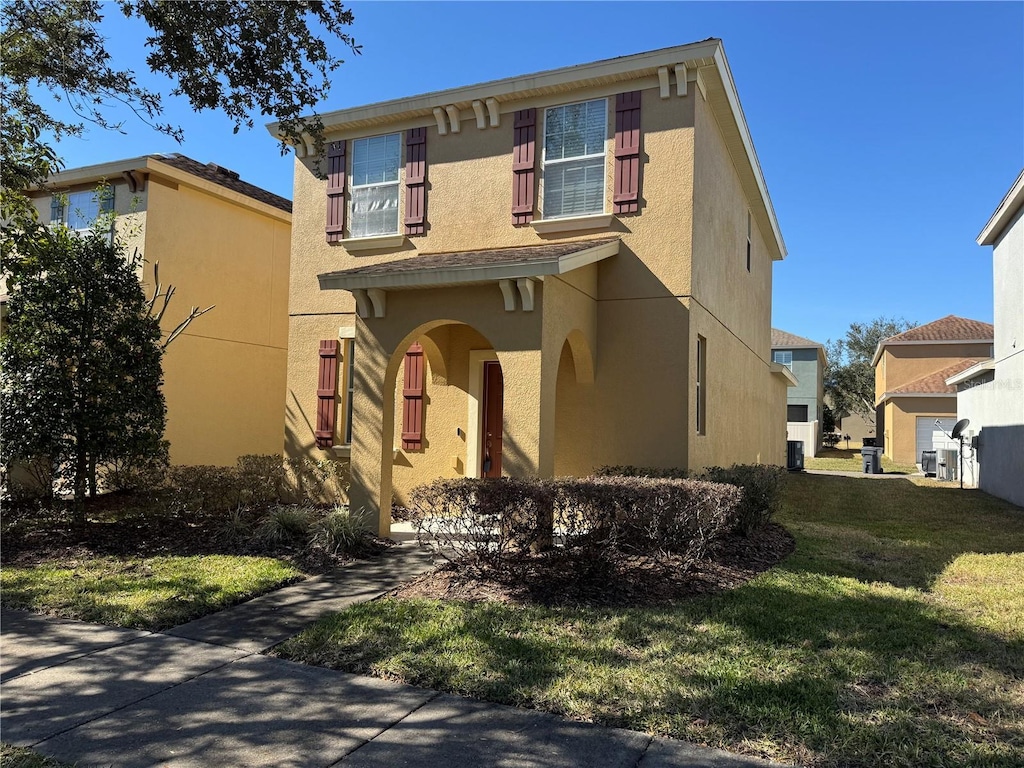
(151, 593)
(893, 636)
(21, 757)
(849, 460)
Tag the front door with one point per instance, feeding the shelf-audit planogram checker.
(494, 392)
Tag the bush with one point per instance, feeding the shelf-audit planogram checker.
(138, 473)
(320, 481)
(497, 522)
(204, 489)
(762, 492)
(628, 470)
(340, 532)
(285, 526)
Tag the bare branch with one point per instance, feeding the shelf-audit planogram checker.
(180, 327)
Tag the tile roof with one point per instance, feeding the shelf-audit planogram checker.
(481, 258)
(225, 178)
(948, 328)
(935, 383)
(783, 339)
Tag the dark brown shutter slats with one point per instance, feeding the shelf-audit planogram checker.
(412, 397)
(335, 191)
(524, 146)
(416, 181)
(326, 392)
(626, 197)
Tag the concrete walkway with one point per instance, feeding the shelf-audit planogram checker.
(201, 695)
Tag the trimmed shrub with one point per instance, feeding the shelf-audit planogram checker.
(628, 470)
(320, 481)
(762, 486)
(341, 532)
(498, 521)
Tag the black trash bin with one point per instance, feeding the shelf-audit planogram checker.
(929, 462)
(795, 455)
(868, 442)
(871, 460)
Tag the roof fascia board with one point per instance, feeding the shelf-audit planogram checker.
(89, 173)
(155, 167)
(920, 342)
(894, 395)
(428, 277)
(780, 370)
(1006, 210)
(969, 373)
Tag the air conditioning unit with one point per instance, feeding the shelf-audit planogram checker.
(948, 458)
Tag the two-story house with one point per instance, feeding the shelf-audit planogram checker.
(536, 276)
(805, 402)
(915, 409)
(220, 241)
(991, 393)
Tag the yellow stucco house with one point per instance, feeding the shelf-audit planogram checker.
(915, 409)
(536, 276)
(219, 241)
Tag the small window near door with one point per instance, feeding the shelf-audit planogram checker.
(796, 413)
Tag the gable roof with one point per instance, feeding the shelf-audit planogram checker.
(784, 339)
(211, 173)
(932, 383)
(705, 61)
(950, 329)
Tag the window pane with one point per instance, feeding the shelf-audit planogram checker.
(375, 211)
(83, 208)
(574, 130)
(375, 160)
(574, 188)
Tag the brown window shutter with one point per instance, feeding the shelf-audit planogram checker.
(416, 181)
(335, 191)
(523, 150)
(412, 410)
(627, 153)
(326, 392)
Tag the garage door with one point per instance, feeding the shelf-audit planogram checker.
(932, 434)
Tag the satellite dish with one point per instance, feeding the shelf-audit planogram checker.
(959, 427)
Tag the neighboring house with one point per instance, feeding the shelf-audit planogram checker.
(219, 241)
(536, 276)
(857, 426)
(805, 402)
(915, 409)
(991, 393)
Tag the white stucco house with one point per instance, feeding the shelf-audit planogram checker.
(991, 393)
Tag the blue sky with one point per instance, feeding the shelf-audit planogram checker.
(887, 132)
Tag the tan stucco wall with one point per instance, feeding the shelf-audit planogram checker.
(629, 319)
(900, 364)
(901, 423)
(224, 378)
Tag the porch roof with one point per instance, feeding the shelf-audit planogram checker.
(481, 266)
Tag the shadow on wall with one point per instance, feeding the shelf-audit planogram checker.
(1001, 462)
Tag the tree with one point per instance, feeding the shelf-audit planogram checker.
(849, 375)
(239, 58)
(82, 361)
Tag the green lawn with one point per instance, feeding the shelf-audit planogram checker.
(893, 636)
(849, 460)
(145, 593)
(20, 757)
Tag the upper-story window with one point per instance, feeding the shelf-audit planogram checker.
(375, 186)
(574, 159)
(79, 210)
(783, 357)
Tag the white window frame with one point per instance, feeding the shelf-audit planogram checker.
(603, 155)
(779, 356)
(352, 187)
(97, 197)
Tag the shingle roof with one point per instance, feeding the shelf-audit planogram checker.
(935, 383)
(783, 339)
(948, 328)
(481, 258)
(225, 178)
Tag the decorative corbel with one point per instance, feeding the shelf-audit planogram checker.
(378, 297)
(442, 129)
(453, 117)
(664, 88)
(526, 289)
(680, 79)
(363, 308)
(492, 112)
(508, 292)
(481, 118)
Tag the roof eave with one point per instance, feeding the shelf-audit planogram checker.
(1003, 214)
(780, 370)
(970, 373)
(922, 342)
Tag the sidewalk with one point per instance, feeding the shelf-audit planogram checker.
(199, 695)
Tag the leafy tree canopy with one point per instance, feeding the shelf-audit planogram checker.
(849, 375)
(240, 58)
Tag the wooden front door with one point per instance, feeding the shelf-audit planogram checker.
(494, 392)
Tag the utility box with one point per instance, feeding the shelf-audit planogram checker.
(928, 463)
(871, 460)
(795, 455)
(947, 464)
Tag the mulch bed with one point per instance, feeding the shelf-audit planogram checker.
(558, 579)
